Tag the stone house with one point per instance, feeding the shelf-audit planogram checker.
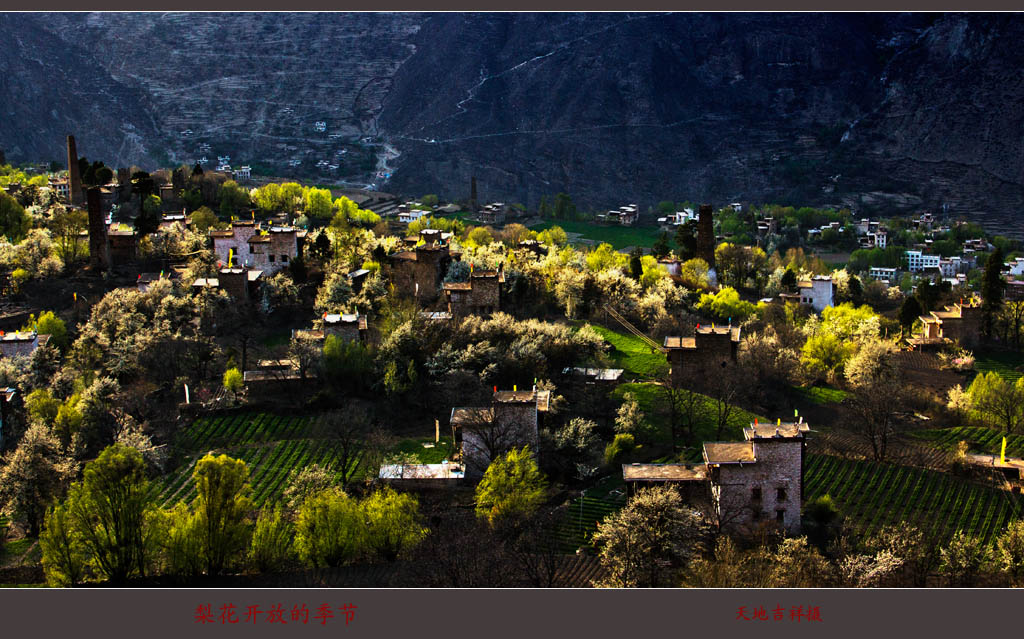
(418, 273)
(959, 322)
(242, 284)
(481, 295)
(274, 249)
(625, 215)
(744, 485)
(233, 244)
(347, 326)
(21, 343)
(709, 349)
(819, 293)
(511, 421)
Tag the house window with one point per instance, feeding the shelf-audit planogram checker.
(780, 494)
(755, 494)
(284, 258)
(780, 516)
(270, 257)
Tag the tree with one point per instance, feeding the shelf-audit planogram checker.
(511, 490)
(233, 380)
(110, 511)
(50, 324)
(725, 305)
(271, 541)
(629, 418)
(997, 401)
(1009, 553)
(788, 281)
(964, 559)
(32, 476)
(233, 198)
(635, 258)
(686, 240)
(318, 203)
(203, 218)
(910, 310)
(393, 523)
(825, 354)
(564, 208)
(67, 226)
(619, 448)
(661, 247)
(874, 377)
(14, 222)
(222, 486)
(648, 541)
(307, 482)
(992, 287)
(695, 273)
(334, 295)
(330, 529)
(64, 554)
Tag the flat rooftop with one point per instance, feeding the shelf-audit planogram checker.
(729, 453)
(664, 472)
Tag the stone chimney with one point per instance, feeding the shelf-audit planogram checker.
(74, 178)
(706, 234)
(98, 257)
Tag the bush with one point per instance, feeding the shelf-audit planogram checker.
(620, 449)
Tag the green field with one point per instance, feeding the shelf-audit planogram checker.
(633, 355)
(1006, 363)
(873, 495)
(618, 236)
(273, 446)
(979, 440)
(821, 394)
(583, 513)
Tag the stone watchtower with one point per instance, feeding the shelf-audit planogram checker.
(759, 480)
(706, 234)
(711, 349)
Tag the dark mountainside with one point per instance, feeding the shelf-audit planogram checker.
(880, 112)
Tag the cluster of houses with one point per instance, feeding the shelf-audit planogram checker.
(626, 215)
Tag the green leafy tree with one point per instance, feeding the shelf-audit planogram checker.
(233, 380)
(271, 544)
(992, 288)
(393, 523)
(233, 199)
(66, 227)
(203, 218)
(512, 488)
(222, 486)
(14, 222)
(964, 559)
(110, 512)
(910, 310)
(726, 304)
(825, 354)
(997, 402)
(63, 550)
(49, 324)
(554, 236)
(661, 247)
(636, 263)
(318, 203)
(330, 530)
(620, 448)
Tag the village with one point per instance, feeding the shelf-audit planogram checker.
(377, 390)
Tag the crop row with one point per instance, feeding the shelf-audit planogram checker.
(873, 495)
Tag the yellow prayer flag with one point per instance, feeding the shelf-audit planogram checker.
(1002, 453)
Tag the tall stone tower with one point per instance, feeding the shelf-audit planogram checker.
(74, 178)
(706, 234)
(98, 257)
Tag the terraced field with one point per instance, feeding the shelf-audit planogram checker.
(583, 513)
(1005, 363)
(874, 495)
(272, 445)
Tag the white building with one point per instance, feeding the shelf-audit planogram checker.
(917, 262)
(411, 215)
(243, 173)
(678, 218)
(1016, 266)
(819, 293)
(882, 273)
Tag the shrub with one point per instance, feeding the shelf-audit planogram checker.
(619, 449)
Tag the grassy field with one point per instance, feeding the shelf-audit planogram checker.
(273, 446)
(1006, 363)
(583, 513)
(873, 495)
(633, 355)
(618, 236)
(821, 394)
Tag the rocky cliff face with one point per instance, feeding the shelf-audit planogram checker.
(881, 112)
